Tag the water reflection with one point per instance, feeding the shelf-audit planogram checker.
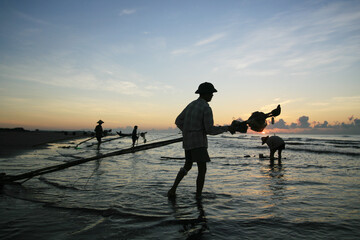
(193, 228)
(96, 174)
(276, 171)
(277, 181)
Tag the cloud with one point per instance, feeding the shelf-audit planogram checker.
(123, 87)
(267, 108)
(210, 39)
(347, 99)
(319, 39)
(116, 79)
(319, 104)
(281, 124)
(357, 122)
(303, 126)
(195, 47)
(321, 125)
(31, 19)
(303, 122)
(179, 51)
(127, 12)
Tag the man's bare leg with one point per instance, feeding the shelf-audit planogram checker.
(279, 156)
(200, 179)
(181, 174)
(272, 153)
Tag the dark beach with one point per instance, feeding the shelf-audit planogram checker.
(18, 140)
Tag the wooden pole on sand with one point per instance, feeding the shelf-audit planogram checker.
(9, 178)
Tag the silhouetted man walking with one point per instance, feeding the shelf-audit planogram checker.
(195, 122)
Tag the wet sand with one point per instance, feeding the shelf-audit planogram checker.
(16, 142)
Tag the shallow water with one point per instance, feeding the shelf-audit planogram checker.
(314, 194)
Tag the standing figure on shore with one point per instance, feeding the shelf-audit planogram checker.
(99, 133)
(142, 134)
(134, 135)
(196, 122)
(274, 143)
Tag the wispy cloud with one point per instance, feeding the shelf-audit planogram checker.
(31, 18)
(323, 39)
(127, 12)
(347, 99)
(195, 47)
(210, 39)
(179, 51)
(114, 80)
(277, 101)
(319, 104)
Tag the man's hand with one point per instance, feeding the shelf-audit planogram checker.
(238, 127)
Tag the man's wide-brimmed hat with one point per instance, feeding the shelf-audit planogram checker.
(206, 87)
(264, 139)
(100, 121)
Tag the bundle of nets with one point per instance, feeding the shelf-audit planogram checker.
(257, 121)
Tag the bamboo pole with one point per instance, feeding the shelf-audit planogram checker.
(108, 140)
(84, 141)
(31, 174)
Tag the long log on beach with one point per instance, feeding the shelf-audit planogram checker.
(29, 175)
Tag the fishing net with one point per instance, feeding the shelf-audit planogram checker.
(257, 122)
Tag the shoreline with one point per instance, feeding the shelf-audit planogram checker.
(16, 142)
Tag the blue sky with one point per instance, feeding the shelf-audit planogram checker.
(66, 64)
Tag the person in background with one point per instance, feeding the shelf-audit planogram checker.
(196, 122)
(142, 134)
(99, 133)
(134, 135)
(274, 143)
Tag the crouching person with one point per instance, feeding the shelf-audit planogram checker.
(274, 143)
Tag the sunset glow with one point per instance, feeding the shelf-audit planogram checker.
(65, 64)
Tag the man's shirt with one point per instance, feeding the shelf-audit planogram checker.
(98, 131)
(195, 122)
(274, 142)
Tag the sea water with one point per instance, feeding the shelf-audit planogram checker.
(313, 194)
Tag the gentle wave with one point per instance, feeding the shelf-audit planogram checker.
(313, 195)
(57, 185)
(318, 151)
(323, 151)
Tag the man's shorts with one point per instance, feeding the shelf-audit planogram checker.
(197, 155)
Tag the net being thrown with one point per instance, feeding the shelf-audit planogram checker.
(257, 121)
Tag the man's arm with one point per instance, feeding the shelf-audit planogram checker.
(209, 124)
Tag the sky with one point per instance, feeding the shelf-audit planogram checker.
(66, 64)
